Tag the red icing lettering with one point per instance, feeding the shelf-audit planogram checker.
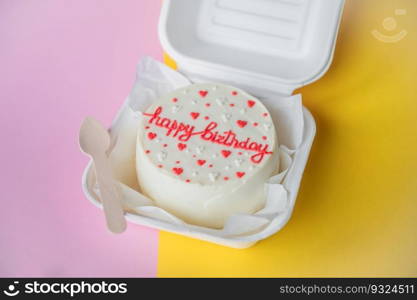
(183, 132)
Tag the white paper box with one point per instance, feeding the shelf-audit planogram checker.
(268, 48)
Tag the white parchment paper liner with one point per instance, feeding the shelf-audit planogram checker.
(154, 79)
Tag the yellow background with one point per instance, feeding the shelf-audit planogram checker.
(356, 213)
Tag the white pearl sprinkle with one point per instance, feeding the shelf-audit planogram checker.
(194, 101)
(221, 101)
(226, 117)
(238, 162)
(187, 150)
(158, 140)
(267, 126)
(214, 155)
(185, 91)
(246, 154)
(227, 167)
(213, 176)
(251, 168)
(162, 155)
(243, 111)
(195, 173)
(176, 108)
(214, 87)
(199, 149)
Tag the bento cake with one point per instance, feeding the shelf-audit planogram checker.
(204, 153)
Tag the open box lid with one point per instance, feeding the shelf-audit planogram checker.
(262, 46)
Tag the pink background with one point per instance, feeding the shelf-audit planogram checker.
(61, 61)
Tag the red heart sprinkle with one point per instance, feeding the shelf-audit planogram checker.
(265, 114)
(151, 135)
(226, 153)
(174, 99)
(255, 124)
(251, 103)
(201, 162)
(210, 166)
(226, 178)
(206, 117)
(208, 104)
(181, 146)
(264, 138)
(194, 115)
(177, 171)
(203, 93)
(234, 93)
(240, 174)
(241, 123)
(188, 181)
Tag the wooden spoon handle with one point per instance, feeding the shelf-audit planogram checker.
(112, 204)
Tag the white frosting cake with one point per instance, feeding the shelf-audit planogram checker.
(204, 153)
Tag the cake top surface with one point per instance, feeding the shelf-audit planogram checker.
(208, 134)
